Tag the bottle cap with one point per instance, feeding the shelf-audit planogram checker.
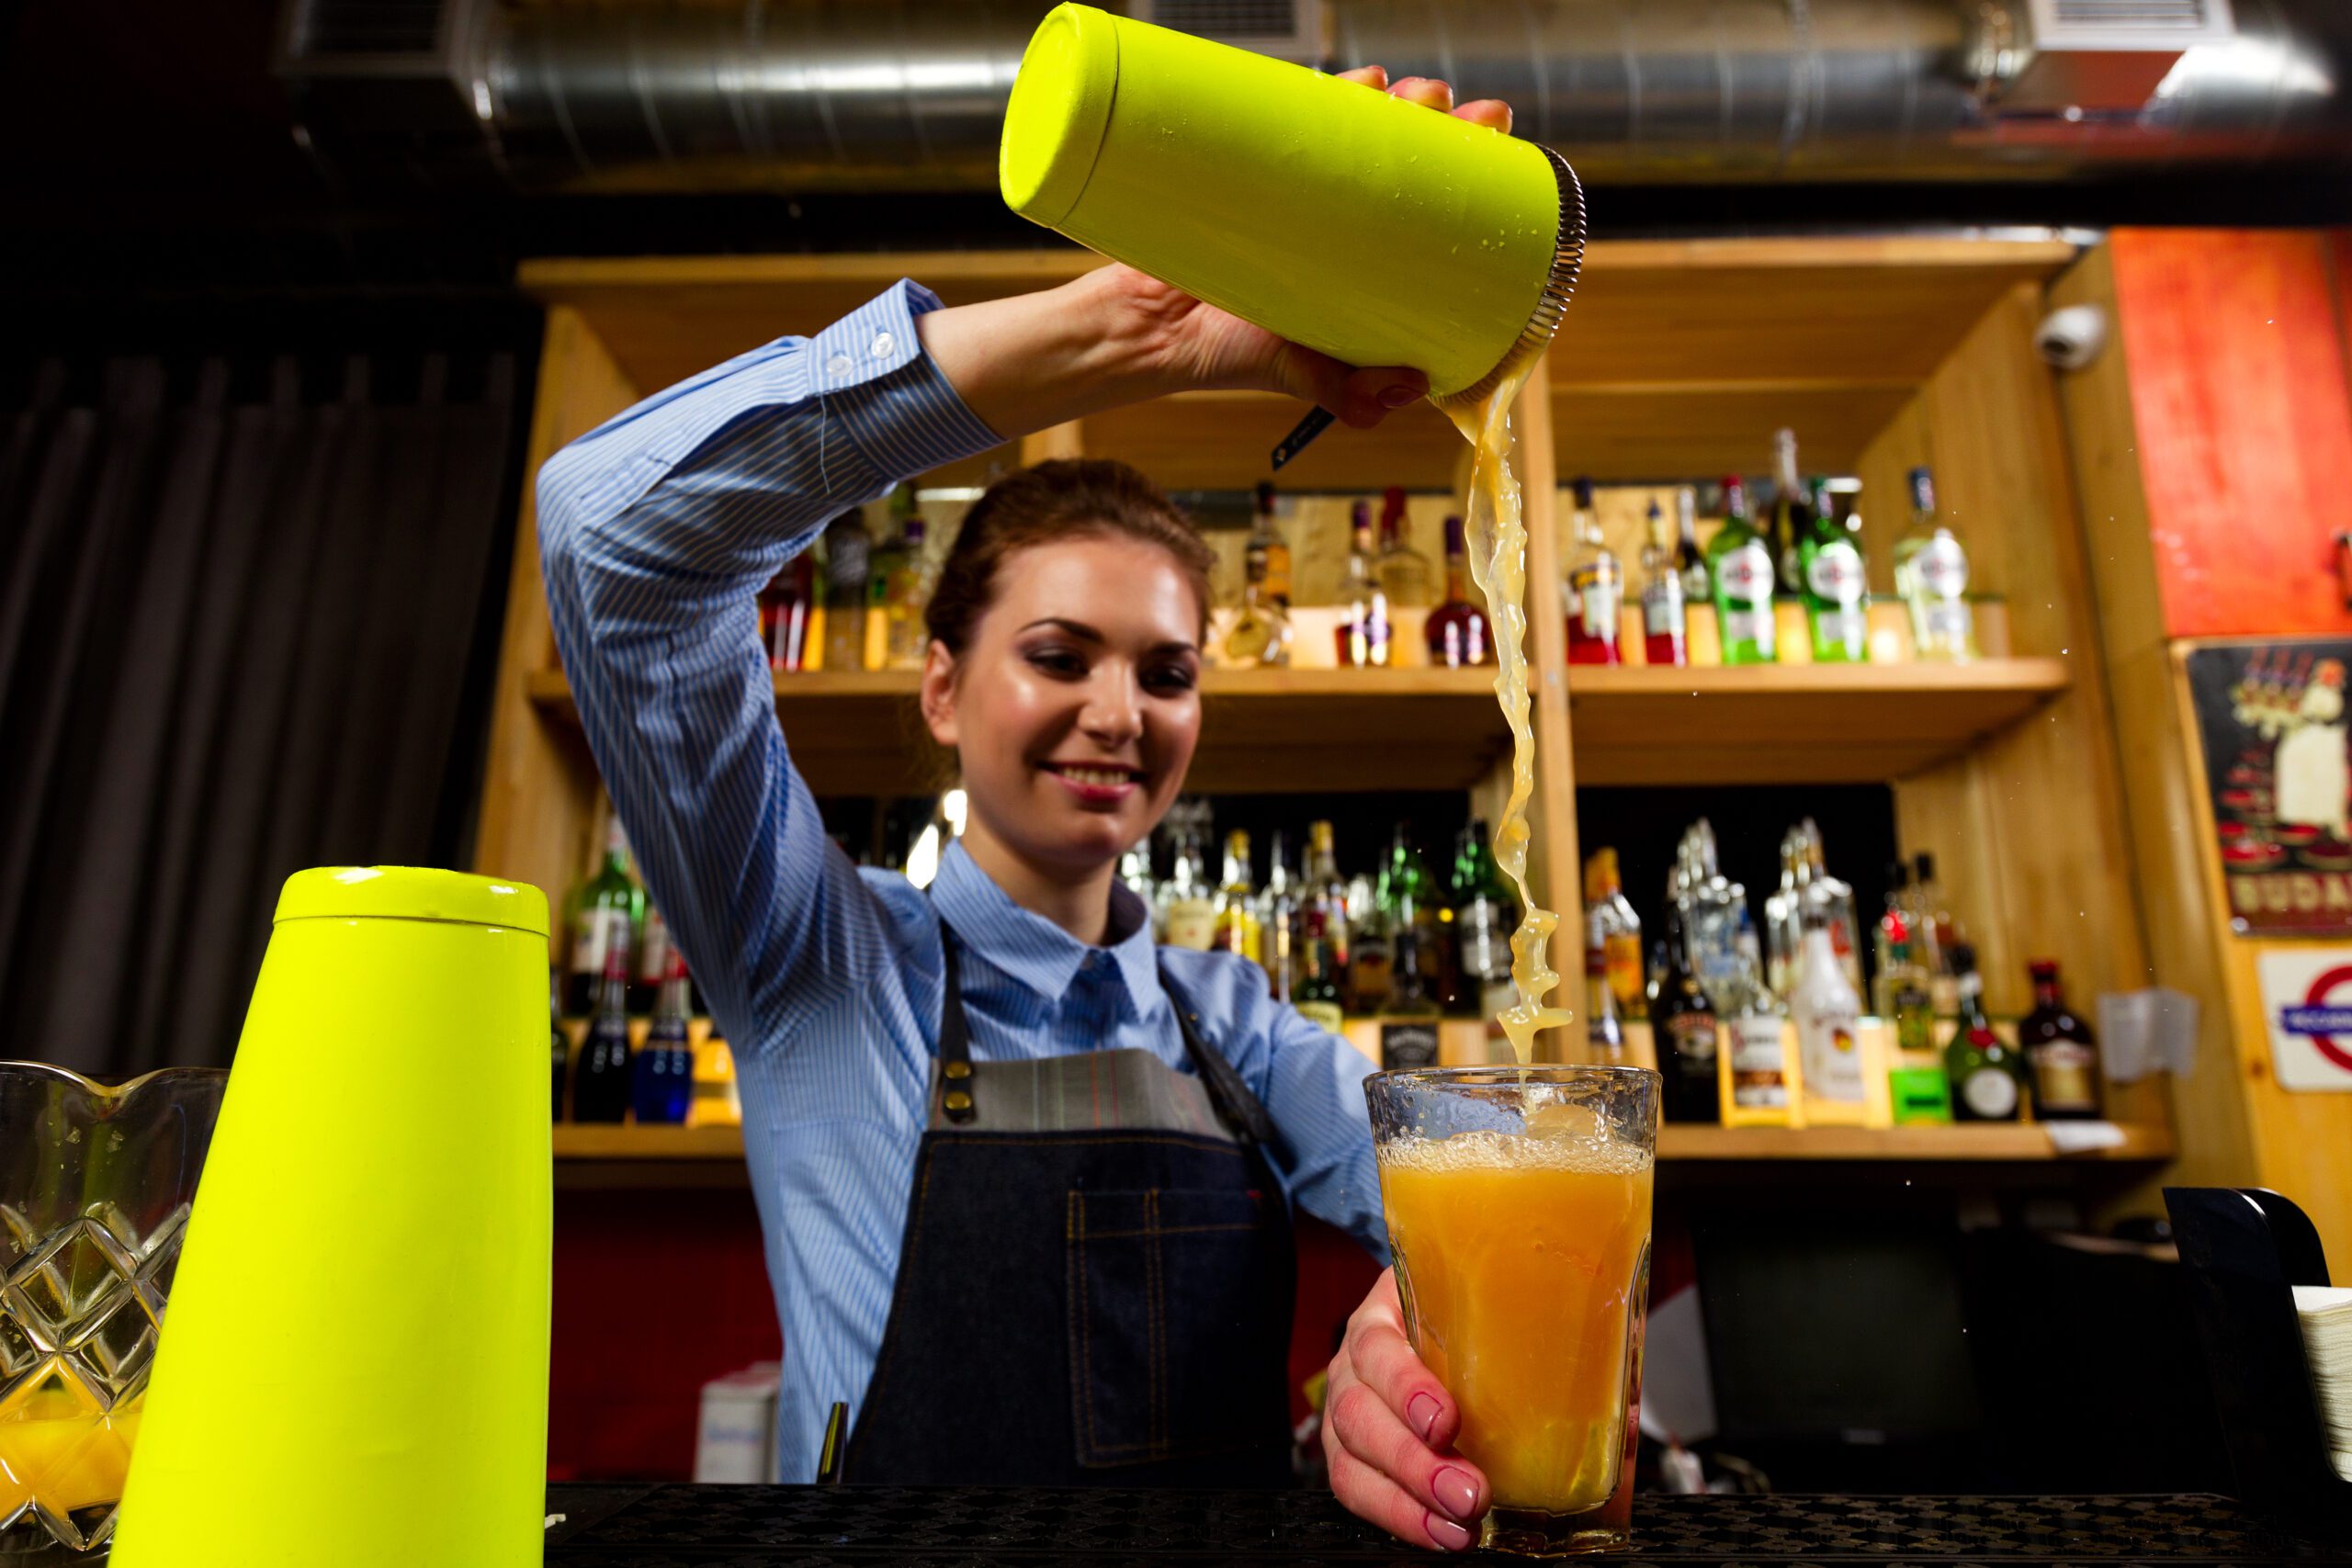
(410, 893)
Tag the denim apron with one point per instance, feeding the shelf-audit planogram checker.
(1095, 1283)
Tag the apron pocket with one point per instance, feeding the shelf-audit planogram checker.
(1171, 1292)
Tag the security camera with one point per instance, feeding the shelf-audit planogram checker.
(2070, 339)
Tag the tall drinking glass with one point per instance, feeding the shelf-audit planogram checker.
(1519, 1215)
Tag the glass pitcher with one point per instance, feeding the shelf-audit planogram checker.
(94, 1189)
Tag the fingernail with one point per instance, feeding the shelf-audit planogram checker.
(1397, 397)
(1445, 1533)
(1456, 1492)
(1422, 1411)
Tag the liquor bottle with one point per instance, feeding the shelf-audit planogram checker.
(600, 1091)
(662, 1079)
(1362, 633)
(1944, 933)
(1135, 874)
(1190, 902)
(1604, 1035)
(1689, 559)
(907, 590)
(1408, 896)
(786, 606)
(1260, 634)
(1742, 570)
(1931, 577)
(1987, 1078)
(1484, 914)
(1835, 899)
(1404, 571)
(1235, 927)
(559, 1046)
(849, 564)
(1665, 615)
(1457, 632)
(1620, 931)
(606, 908)
(1837, 590)
(1784, 919)
(1277, 913)
(1711, 910)
(1595, 587)
(649, 966)
(1759, 1051)
(1791, 513)
(1267, 552)
(1829, 1014)
(2062, 1050)
(1683, 1028)
(1321, 990)
(1915, 1082)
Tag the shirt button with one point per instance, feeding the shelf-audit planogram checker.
(883, 344)
(837, 365)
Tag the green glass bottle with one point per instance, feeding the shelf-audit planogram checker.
(1835, 585)
(608, 909)
(1484, 914)
(1409, 898)
(1740, 567)
(1987, 1073)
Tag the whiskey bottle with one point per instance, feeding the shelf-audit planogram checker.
(1457, 633)
(2062, 1050)
(1363, 632)
(1683, 1028)
(1235, 925)
(1595, 587)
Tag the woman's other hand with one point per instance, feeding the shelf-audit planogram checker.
(1202, 347)
(1388, 1429)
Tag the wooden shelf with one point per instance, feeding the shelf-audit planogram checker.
(1795, 723)
(856, 732)
(2020, 1143)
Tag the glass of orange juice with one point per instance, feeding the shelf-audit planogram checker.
(95, 1181)
(1518, 1216)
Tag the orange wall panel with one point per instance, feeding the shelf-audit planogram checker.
(2238, 391)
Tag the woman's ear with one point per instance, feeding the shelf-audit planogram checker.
(937, 693)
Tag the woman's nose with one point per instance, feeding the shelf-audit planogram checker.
(1113, 712)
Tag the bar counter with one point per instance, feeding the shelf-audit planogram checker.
(774, 1527)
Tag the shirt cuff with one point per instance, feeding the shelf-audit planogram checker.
(912, 419)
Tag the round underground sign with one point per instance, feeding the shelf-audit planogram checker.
(2308, 1000)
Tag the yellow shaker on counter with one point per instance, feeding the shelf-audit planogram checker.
(355, 1371)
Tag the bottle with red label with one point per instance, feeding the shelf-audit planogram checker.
(1596, 588)
(2060, 1050)
(1665, 614)
(1457, 628)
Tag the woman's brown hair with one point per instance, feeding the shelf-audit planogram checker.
(1068, 498)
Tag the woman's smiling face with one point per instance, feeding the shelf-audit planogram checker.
(1075, 707)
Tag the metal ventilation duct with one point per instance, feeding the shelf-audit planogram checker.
(815, 95)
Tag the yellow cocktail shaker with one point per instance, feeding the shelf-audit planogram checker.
(355, 1373)
(1343, 219)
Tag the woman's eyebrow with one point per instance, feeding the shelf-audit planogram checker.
(1075, 628)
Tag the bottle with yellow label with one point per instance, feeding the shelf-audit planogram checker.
(1610, 921)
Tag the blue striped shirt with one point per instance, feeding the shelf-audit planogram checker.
(657, 531)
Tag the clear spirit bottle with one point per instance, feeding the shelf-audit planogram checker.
(1665, 615)
(1260, 634)
(1828, 1014)
(1363, 632)
(1931, 577)
(1404, 571)
(1595, 586)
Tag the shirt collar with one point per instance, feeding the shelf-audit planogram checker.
(1033, 951)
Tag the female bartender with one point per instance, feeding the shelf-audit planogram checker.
(1024, 1180)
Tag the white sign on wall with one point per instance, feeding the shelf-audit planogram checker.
(2307, 1005)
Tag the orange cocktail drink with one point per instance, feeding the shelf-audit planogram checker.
(1518, 1217)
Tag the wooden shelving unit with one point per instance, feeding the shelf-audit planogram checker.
(1678, 359)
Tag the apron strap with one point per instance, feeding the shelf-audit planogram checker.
(1235, 1106)
(954, 1036)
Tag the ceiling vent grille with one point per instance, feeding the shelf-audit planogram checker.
(2079, 58)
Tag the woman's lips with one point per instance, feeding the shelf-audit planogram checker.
(1096, 783)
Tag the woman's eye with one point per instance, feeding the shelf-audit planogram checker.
(1171, 678)
(1057, 661)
